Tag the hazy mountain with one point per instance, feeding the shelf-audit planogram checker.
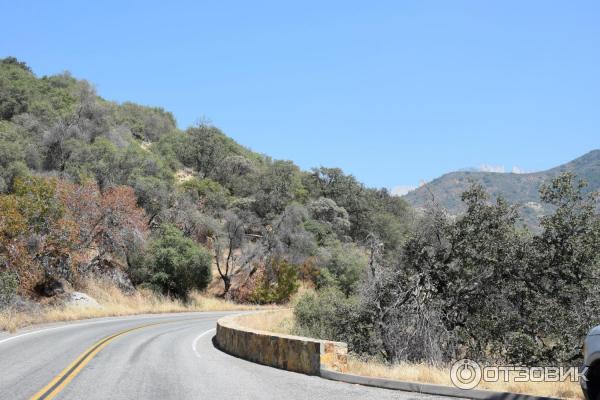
(517, 188)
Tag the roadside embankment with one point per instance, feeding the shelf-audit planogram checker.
(264, 338)
(113, 302)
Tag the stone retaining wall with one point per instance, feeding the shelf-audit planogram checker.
(292, 353)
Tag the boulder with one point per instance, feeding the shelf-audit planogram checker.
(80, 299)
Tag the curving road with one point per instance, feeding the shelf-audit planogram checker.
(150, 357)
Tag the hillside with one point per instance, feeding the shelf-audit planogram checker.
(516, 188)
(92, 186)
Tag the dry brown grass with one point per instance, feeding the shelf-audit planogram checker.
(280, 321)
(183, 175)
(429, 374)
(114, 303)
(305, 288)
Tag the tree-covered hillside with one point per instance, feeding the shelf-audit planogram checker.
(262, 220)
(522, 189)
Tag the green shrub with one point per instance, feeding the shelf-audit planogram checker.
(326, 279)
(212, 193)
(8, 288)
(175, 264)
(276, 285)
(330, 315)
(344, 267)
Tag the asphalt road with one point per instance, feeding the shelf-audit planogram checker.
(151, 357)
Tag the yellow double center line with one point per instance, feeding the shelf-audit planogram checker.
(61, 380)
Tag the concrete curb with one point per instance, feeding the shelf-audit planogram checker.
(427, 388)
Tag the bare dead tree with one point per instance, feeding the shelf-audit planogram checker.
(408, 325)
(227, 245)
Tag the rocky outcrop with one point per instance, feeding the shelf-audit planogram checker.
(57, 266)
(52, 287)
(106, 267)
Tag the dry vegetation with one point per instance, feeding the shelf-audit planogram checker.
(114, 303)
(283, 322)
(429, 374)
(277, 321)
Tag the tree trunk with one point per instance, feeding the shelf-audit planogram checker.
(227, 283)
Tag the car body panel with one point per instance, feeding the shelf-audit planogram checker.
(591, 352)
(591, 360)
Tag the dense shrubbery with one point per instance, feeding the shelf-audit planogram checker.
(329, 314)
(276, 284)
(344, 264)
(173, 264)
(8, 288)
(478, 286)
(49, 226)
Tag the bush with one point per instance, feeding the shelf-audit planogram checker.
(276, 284)
(330, 315)
(211, 193)
(344, 268)
(176, 264)
(8, 288)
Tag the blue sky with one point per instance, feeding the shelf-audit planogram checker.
(394, 92)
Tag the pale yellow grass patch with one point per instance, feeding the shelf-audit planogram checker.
(184, 175)
(145, 145)
(204, 302)
(280, 321)
(305, 288)
(114, 303)
(441, 376)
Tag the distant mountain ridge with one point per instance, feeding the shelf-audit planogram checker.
(516, 188)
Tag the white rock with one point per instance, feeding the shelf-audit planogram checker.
(83, 300)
